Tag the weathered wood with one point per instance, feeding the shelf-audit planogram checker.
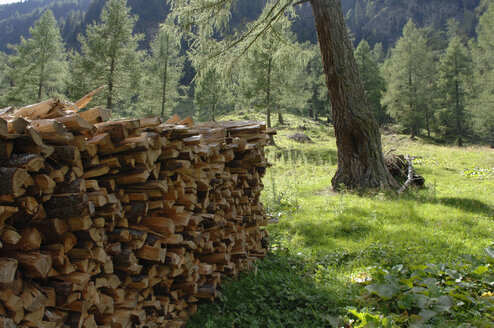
(67, 205)
(95, 115)
(8, 268)
(35, 264)
(37, 110)
(82, 103)
(12, 180)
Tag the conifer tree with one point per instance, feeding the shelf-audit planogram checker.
(3, 77)
(409, 74)
(209, 93)
(454, 71)
(370, 76)
(319, 103)
(163, 69)
(270, 68)
(378, 52)
(482, 93)
(37, 69)
(109, 56)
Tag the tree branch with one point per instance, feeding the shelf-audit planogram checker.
(300, 2)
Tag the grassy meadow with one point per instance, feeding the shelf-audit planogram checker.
(374, 259)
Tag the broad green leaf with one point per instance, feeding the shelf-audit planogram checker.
(386, 291)
(481, 270)
(427, 314)
(405, 302)
(416, 321)
(422, 301)
(444, 304)
(420, 290)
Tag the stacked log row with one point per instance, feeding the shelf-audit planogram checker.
(126, 223)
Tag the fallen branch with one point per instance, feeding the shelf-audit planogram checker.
(411, 173)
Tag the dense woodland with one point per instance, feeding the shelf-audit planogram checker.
(427, 72)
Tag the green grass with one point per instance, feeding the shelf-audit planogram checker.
(325, 239)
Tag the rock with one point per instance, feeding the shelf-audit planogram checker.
(300, 137)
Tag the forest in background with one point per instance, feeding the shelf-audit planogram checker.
(426, 71)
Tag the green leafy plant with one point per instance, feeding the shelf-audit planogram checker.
(419, 294)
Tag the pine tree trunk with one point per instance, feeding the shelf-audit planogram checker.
(427, 121)
(280, 117)
(360, 157)
(459, 129)
(40, 84)
(165, 79)
(110, 84)
(268, 95)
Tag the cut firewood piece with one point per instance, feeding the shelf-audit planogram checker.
(30, 162)
(139, 175)
(6, 148)
(48, 126)
(149, 122)
(13, 305)
(16, 124)
(116, 130)
(37, 110)
(4, 128)
(12, 180)
(67, 154)
(150, 253)
(159, 224)
(75, 123)
(35, 264)
(95, 115)
(173, 120)
(103, 142)
(6, 211)
(82, 103)
(57, 138)
(189, 121)
(118, 319)
(67, 205)
(7, 323)
(218, 258)
(30, 240)
(8, 268)
(95, 171)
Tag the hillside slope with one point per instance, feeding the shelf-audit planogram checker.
(374, 20)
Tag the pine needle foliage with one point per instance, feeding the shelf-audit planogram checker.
(409, 74)
(38, 67)
(482, 93)
(109, 56)
(163, 69)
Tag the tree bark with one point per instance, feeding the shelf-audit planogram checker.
(110, 84)
(165, 80)
(360, 158)
(280, 117)
(268, 95)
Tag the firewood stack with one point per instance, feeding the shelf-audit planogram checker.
(126, 223)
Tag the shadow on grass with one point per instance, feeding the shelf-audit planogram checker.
(279, 293)
(311, 155)
(362, 238)
(467, 205)
(464, 204)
